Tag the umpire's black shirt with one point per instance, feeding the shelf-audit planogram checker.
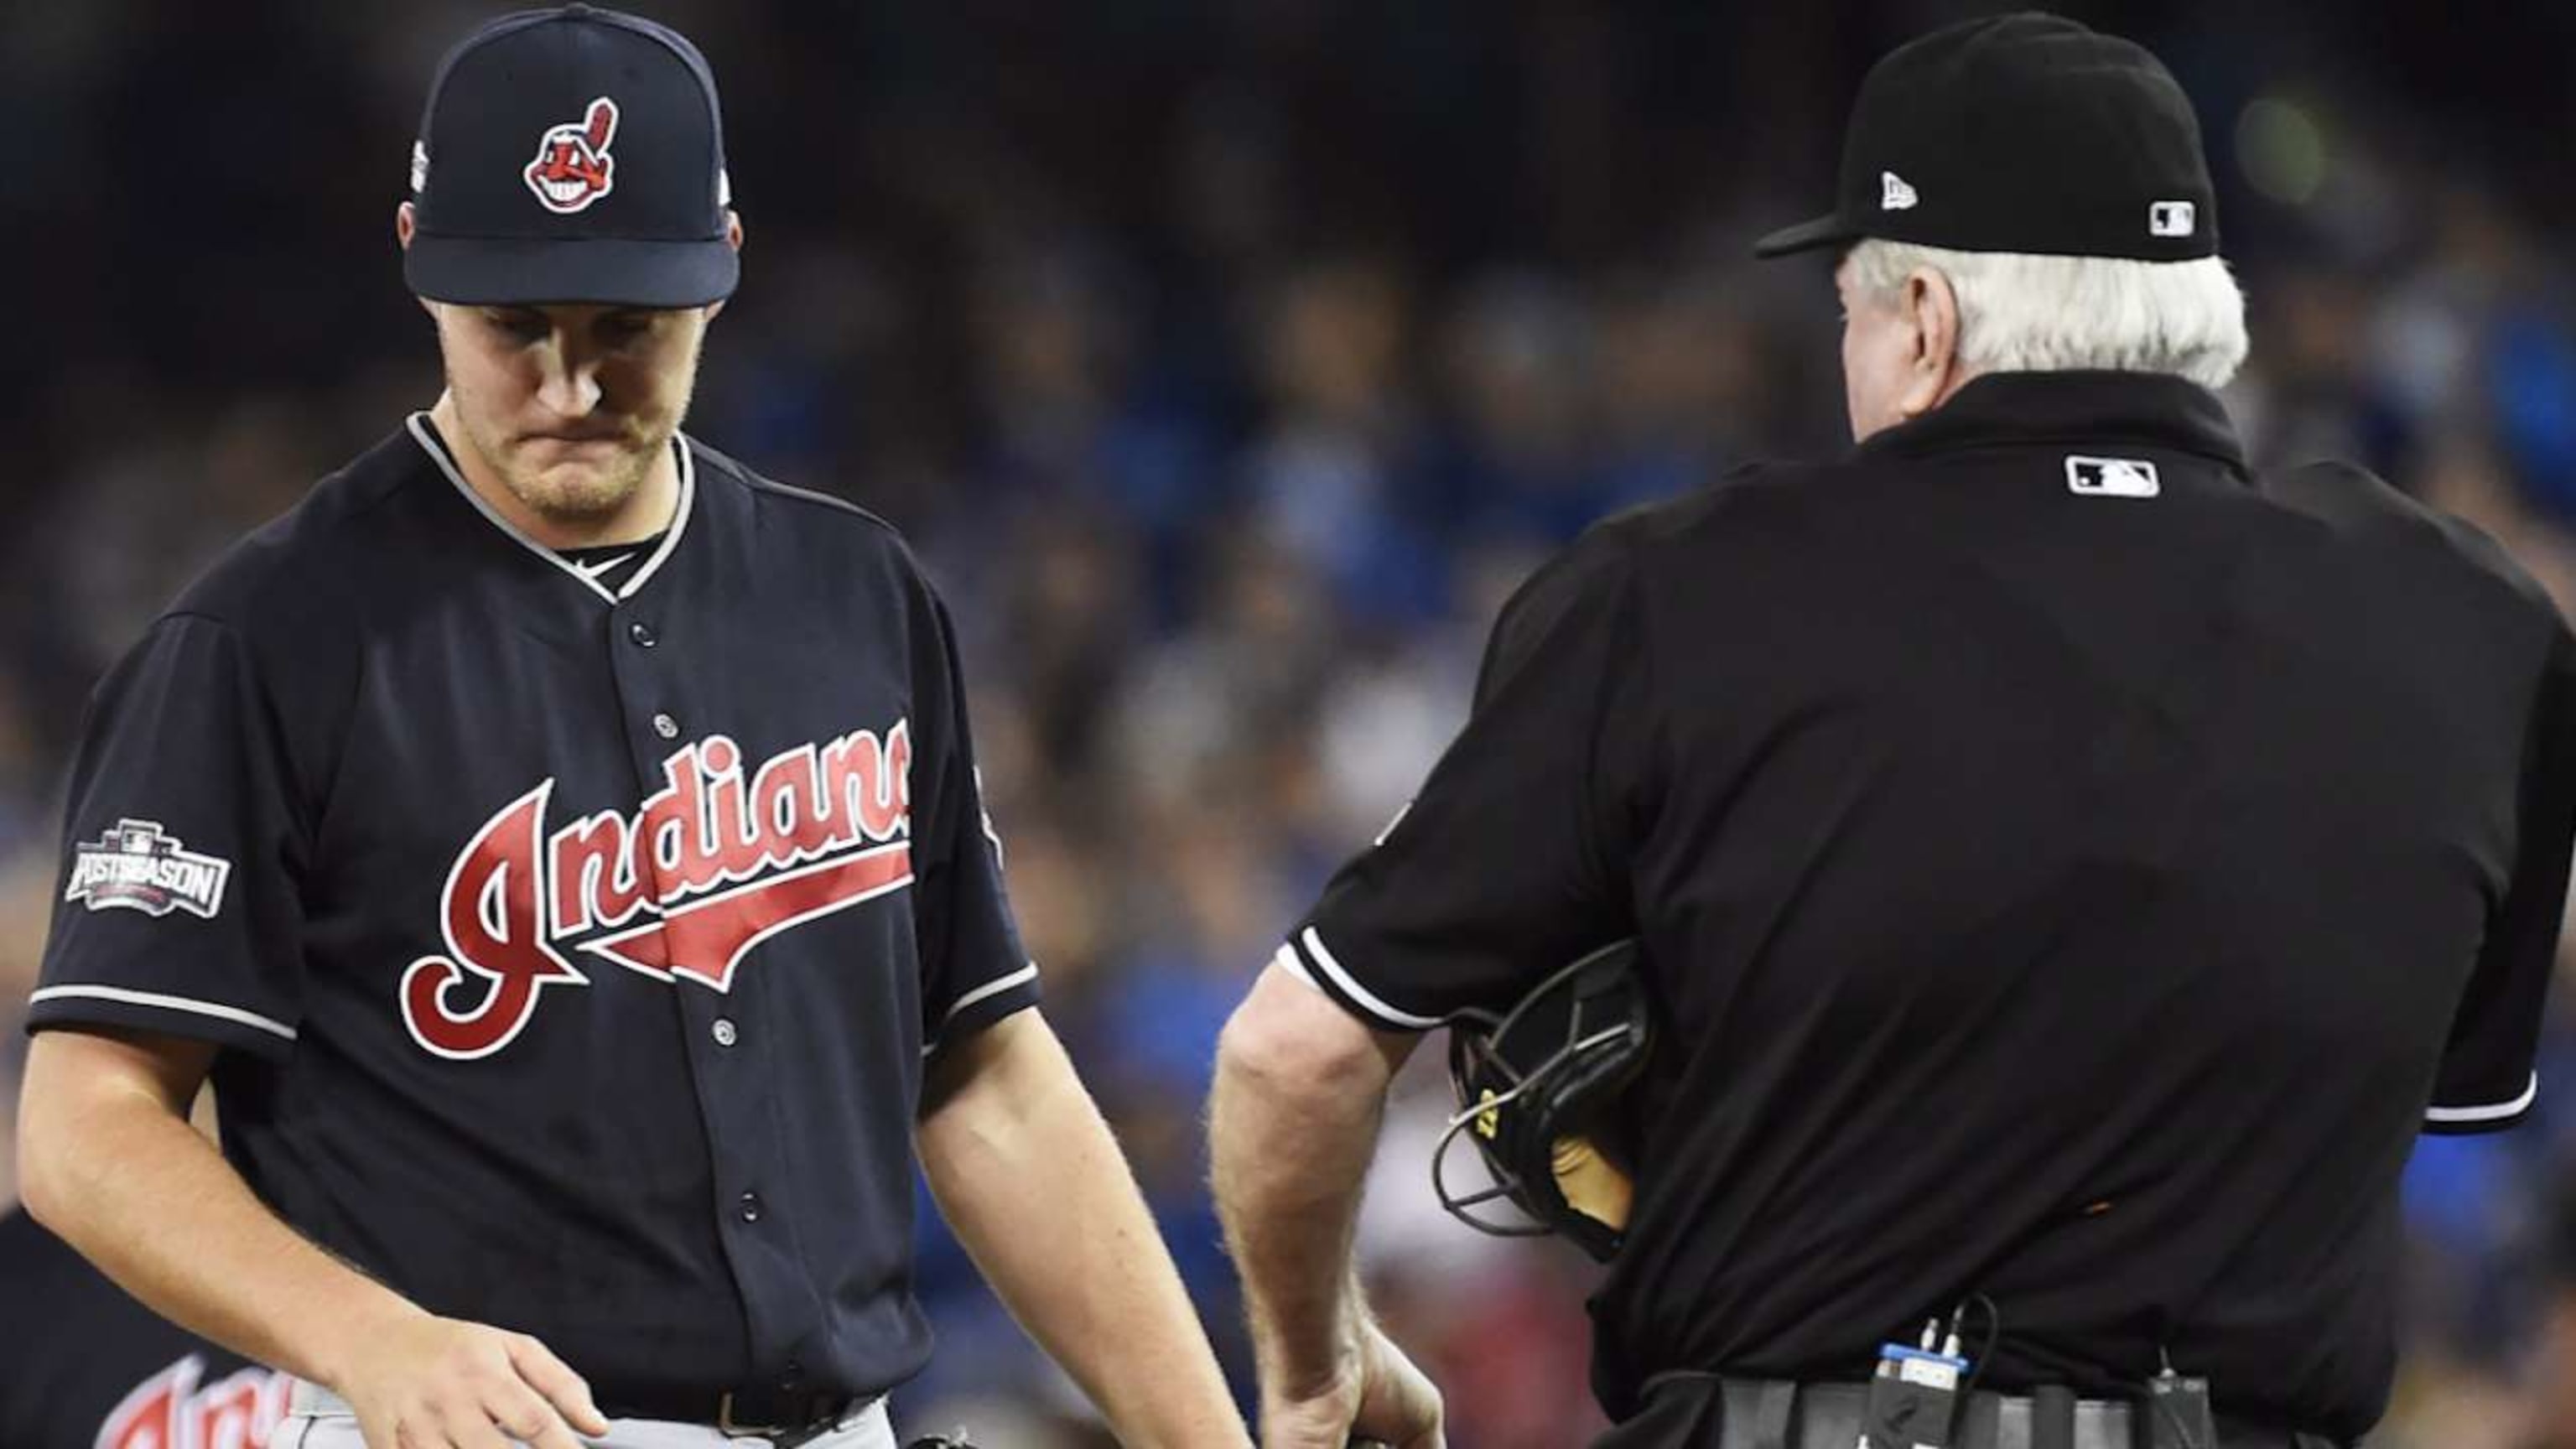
(2070, 869)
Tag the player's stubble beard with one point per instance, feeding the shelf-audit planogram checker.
(585, 494)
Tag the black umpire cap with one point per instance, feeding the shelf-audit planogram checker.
(2021, 133)
(571, 155)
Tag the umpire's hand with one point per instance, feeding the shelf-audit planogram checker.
(1380, 1397)
(433, 1383)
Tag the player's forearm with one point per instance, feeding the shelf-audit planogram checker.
(1293, 1122)
(1028, 1175)
(127, 1182)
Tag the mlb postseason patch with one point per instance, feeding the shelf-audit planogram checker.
(2112, 477)
(140, 867)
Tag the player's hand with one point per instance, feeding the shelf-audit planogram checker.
(439, 1383)
(1382, 1399)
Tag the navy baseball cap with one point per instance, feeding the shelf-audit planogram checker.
(2021, 133)
(571, 155)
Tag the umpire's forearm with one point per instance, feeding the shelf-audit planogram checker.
(1030, 1178)
(1293, 1122)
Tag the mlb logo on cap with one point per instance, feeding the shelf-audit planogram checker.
(2172, 218)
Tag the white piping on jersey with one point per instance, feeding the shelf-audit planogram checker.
(985, 992)
(1350, 987)
(429, 442)
(215, 1009)
(2492, 1112)
(594, 570)
(1287, 961)
(990, 989)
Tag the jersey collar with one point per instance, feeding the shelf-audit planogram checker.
(2071, 409)
(431, 443)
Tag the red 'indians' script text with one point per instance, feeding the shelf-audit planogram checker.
(716, 861)
(174, 1409)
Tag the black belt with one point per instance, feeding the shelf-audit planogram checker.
(785, 1420)
(1770, 1414)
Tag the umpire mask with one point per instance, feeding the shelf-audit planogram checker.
(1536, 1088)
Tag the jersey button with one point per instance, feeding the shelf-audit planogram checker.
(793, 1378)
(749, 1207)
(723, 1031)
(665, 726)
(642, 633)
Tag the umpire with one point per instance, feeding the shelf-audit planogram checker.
(2069, 868)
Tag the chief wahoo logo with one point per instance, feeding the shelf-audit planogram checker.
(573, 167)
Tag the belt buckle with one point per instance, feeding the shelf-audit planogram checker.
(726, 1426)
(780, 1436)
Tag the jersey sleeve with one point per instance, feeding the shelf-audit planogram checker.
(179, 911)
(2487, 1079)
(1513, 859)
(974, 970)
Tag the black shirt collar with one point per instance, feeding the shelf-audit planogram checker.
(2149, 410)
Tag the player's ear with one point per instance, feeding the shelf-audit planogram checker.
(407, 226)
(1931, 308)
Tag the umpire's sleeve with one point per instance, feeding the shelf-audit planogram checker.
(2487, 1080)
(974, 970)
(180, 910)
(1513, 858)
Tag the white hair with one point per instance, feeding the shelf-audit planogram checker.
(2020, 312)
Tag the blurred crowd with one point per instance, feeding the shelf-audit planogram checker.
(1229, 361)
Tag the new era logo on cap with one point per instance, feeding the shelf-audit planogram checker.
(2112, 477)
(1894, 194)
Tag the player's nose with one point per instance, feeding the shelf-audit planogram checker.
(567, 384)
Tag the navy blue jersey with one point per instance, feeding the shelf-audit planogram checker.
(2067, 868)
(575, 952)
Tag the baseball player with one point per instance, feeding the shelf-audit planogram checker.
(561, 848)
(2065, 869)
